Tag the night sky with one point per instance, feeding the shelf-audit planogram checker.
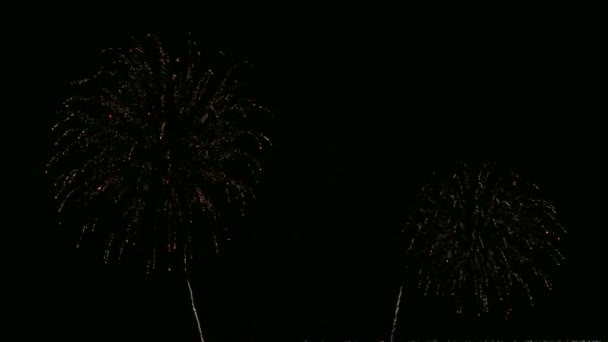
(368, 101)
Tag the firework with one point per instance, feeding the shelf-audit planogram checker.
(153, 150)
(483, 232)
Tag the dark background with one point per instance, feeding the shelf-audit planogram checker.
(368, 100)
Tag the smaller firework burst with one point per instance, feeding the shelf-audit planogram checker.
(483, 233)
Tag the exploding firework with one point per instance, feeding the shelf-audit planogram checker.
(153, 150)
(483, 233)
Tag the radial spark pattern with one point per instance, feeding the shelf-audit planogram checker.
(485, 234)
(153, 149)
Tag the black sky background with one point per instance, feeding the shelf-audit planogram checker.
(368, 101)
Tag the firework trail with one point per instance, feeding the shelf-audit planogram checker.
(153, 152)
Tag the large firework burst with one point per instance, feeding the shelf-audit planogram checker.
(485, 233)
(153, 150)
